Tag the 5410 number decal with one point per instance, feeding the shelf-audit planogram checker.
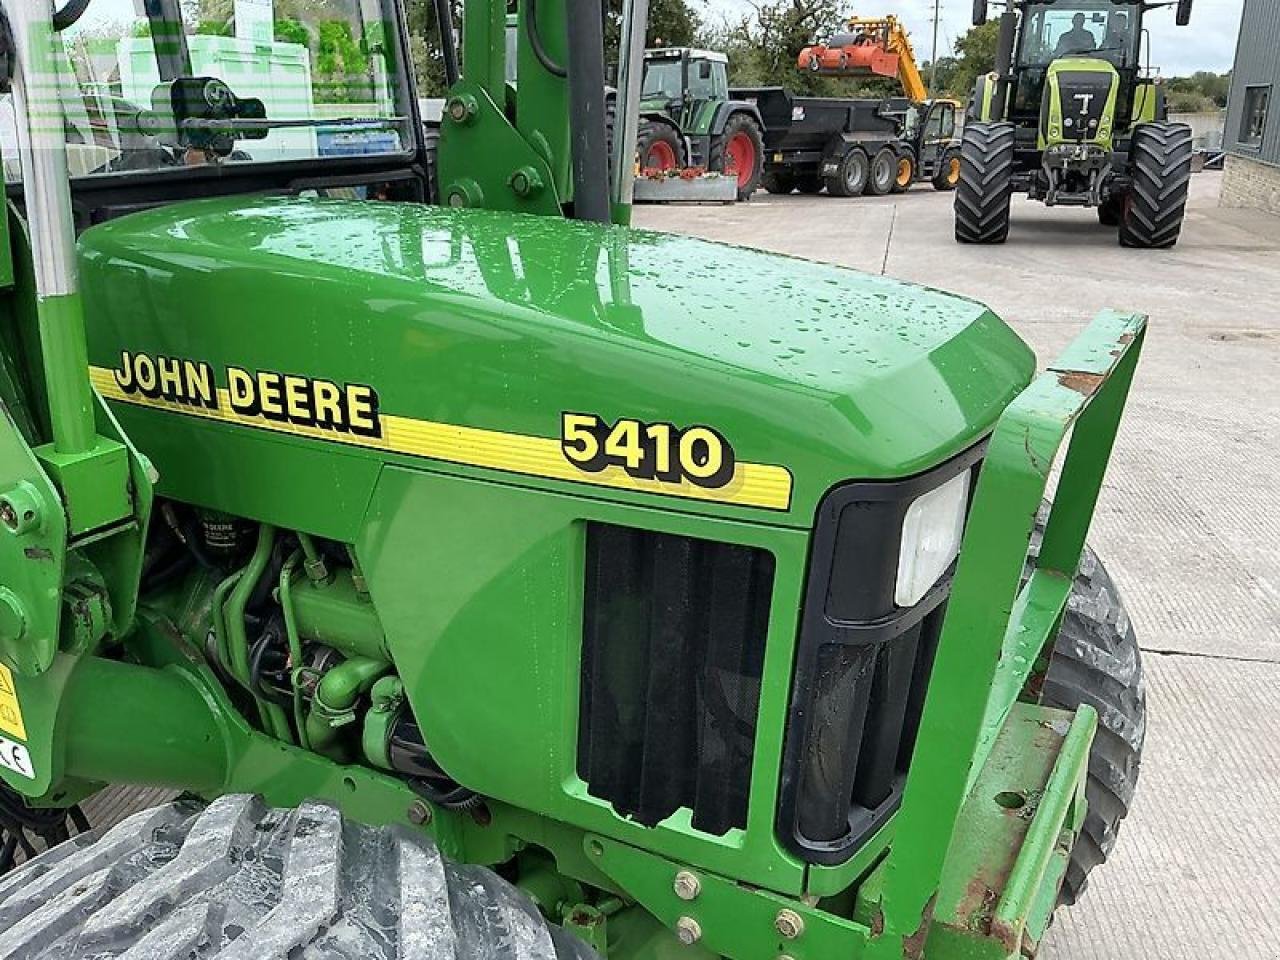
(647, 451)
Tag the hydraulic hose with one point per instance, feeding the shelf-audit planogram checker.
(535, 41)
(332, 708)
(272, 716)
(448, 42)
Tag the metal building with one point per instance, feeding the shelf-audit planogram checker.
(1252, 138)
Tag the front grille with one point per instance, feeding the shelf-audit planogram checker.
(862, 670)
(672, 654)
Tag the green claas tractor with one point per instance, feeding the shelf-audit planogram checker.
(1071, 118)
(688, 119)
(491, 579)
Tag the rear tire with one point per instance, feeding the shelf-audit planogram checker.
(1096, 660)
(985, 190)
(740, 125)
(239, 879)
(1160, 169)
(781, 182)
(884, 172)
(851, 177)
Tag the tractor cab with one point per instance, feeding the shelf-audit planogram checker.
(162, 108)
(679, 80)
(1083, 50)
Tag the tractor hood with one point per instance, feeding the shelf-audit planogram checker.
(424, 336)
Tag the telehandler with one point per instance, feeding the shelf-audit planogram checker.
(496, 580)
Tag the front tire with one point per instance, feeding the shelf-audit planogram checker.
(238, 878)
(1096, 660)
(985, 190)
(658, 148)
(906, 173)
(948, 174)
(1160, 171)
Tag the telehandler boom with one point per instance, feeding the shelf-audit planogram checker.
(496, 580)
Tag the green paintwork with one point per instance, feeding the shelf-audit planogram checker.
(1014, 837)
(984, 96)
(1148, 104)
(464, 590)
(578, 317)
(1084, 394)
(1052, 130)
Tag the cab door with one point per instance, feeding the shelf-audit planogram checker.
(936, 135)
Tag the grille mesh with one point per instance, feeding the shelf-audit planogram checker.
(673, 650)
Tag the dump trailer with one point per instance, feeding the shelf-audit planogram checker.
(495, 580)
(1072, 117)
(849, 145)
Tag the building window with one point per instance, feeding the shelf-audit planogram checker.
(1254, 121)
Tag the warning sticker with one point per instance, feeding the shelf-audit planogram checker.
(14, 756)
(10, 711)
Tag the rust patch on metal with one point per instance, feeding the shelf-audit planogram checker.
(877, 923)
(913, 946)
(1082, 383)
(978, 904)
(38, 553)
(1010, 939)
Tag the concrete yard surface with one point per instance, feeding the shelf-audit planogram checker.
(1188, 523)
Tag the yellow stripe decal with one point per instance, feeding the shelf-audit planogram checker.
(753, 484)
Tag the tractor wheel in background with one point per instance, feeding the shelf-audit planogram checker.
(1096, 660)
(1111, 212)
(985, 189)
(778, 181)
(740, 150)
(238, 878)
(1160, 174)
(658, 148)
(810, 183)
(884, 173)
(851, 177)
(905, 175)
(948, 173)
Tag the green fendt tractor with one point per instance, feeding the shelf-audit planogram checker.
(495, 580)
(1070, 118)
(688, 119)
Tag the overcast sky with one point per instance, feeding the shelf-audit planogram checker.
(1208, 44)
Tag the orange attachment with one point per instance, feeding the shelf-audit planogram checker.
(870, 47)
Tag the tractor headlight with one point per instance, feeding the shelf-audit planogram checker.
(931, 533)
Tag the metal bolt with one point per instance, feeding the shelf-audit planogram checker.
(687, 885)
(789, 923)
(419, 813)
(688, 931)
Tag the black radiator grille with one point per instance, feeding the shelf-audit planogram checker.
(672, 654)
(862, 669)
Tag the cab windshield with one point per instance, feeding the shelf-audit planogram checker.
(663, 79)
(1084, 28)
(225, 82)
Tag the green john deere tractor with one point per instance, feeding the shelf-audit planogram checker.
(688, 119)
(1070, 118)
(495, 580)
